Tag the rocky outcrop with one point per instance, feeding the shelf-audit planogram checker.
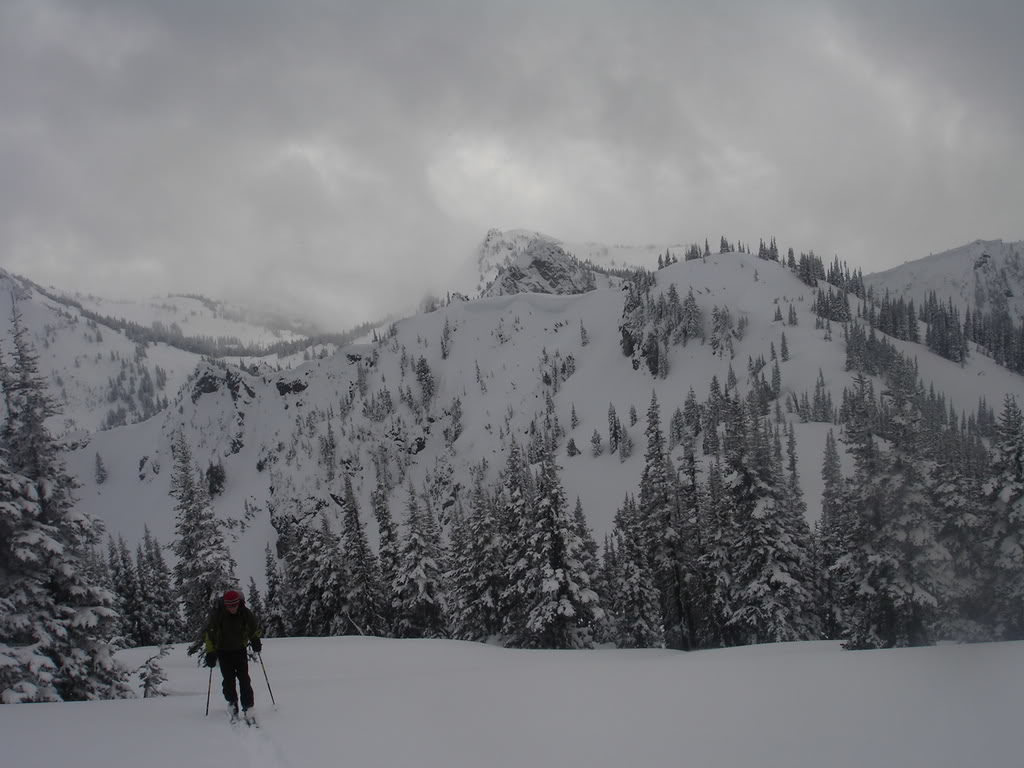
(542, 267)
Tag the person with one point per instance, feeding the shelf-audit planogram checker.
(232, 626)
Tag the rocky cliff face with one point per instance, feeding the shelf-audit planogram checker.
(542, 266)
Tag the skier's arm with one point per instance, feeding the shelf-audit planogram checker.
(209, 639)
(255, 632)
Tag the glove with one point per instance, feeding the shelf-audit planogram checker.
(256, 644)
(211, 659)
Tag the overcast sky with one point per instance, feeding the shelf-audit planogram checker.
(340, 157)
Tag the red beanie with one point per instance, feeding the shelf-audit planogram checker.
(232, 598)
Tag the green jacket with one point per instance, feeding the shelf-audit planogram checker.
(230, 632)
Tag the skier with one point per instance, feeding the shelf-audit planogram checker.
(232, 626)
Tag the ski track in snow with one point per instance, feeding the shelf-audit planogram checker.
(259, 748)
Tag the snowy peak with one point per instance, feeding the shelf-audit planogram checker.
(985, 275)
(501, 248)
(542, 266)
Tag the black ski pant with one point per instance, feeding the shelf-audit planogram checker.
(235, 665)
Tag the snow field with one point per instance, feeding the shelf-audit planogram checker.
(445, 704)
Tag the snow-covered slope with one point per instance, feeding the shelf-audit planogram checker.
(377, 703)
(269, 429)
(985, 275)
(96, 373)
(102, 377)
(196, 317)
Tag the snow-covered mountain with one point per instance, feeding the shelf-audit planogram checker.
(986, 275)
(111, 363)
(500, 368)
(99, 375)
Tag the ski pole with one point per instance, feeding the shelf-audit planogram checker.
(264, 668)
(209, 686)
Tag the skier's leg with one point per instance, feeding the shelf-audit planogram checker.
(244, 683)
(228, 668)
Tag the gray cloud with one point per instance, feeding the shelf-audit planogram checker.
(342, 157)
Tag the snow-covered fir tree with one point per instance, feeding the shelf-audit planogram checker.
(562, 607)
(516, 524)
(831, 531)
(315, 574)
(773, 597)
(477, 579)
(362, 603)
(419, 590)
(892, 564)
(204, 566)
(387, 555)
(152, 675)
(659, 518)
(634, 601)
(962, 520)
(274, 621)
(161, 612)
(1006, 494)
(254, 599)
(719, 533)
(56, 620)
(130, 600)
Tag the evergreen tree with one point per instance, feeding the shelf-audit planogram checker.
(274, 621)
(362, 603)
(255, 601)
(614, 429)
(832, 536)
(418, 590)
(516, 523)
(478, 576)
(562, 608)
(387, 555)
(161, 614)
(659, 527)
(625, 445)
(100, 472)
(963, 521)
(690, 546)
(635, 603)
(56, 618)
(691, 321)
(315, 575)
(128, 591)
(425, 378)
(716, 558)
(151, 674)
(589, 559)
(204, 567)
(1005, 491)
(893, 565)
(773, 599)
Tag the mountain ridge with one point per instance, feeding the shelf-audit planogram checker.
(512, 361)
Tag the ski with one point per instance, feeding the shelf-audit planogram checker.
(250, 719)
